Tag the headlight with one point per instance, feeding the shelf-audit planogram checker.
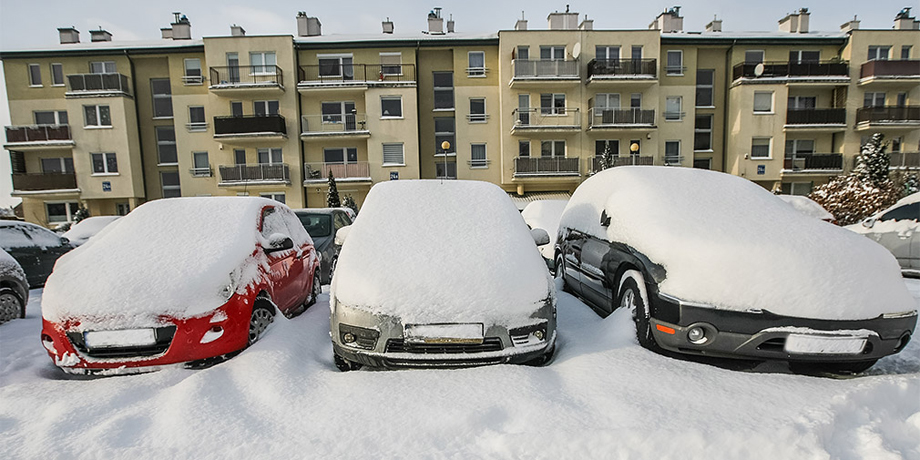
(227, 290)
(359, 337)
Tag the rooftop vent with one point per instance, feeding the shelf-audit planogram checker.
(69, 35)
(795, 22)
(100, 35)
(521, 24)
(388, 26)
(850, 25)
(450, 24)
(237, 31)
(181, 28)
(715, 25)
(668, 21)
(435, 22)
(308, 26)
(587, 24)
(562, 21)
(904, 21)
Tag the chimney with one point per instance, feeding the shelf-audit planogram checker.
(904, 21)
(668, 21)
(237, 31)
(182, 28)
(69, 35)
(587, 24)
(563, 21)
(388, 26)
(715, 25)
(450, 24)
(521, 24)
(166, 32)
(435, 22)
(795, 22)
(100, 35)
(850, 25)
(308, 26)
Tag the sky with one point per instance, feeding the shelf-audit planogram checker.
(30, 24)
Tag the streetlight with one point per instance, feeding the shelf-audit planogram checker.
(634, 149)
(445, 147)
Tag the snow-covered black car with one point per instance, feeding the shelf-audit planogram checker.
(14, 289)
(713, 264)
(322, 224)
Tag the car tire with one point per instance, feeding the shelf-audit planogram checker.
(11, 306)
(631, 298)
(842, 368)
(315, 289)
(560, 273)
(343, 364)
(262, 315)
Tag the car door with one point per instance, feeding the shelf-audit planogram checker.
(594, 285)
(51, 247)
(896, 231)
(282, 269)
(20, 245)
(571, 254)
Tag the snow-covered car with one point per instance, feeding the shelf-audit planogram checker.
(440, 274)
(545, 214)
(35, 248)
(896, 228)
(712, 264)
(807, 206)
(180, 281)
(87, 228)
(323, 224)
(14, 289)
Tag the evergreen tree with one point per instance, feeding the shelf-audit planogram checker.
(872, 164)
(80, 214)
(349, 202)
(332, 196)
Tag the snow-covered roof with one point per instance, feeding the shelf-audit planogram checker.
(807, 206)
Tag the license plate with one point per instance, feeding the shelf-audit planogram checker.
(444, 333)
(824, 344)
(120, 338)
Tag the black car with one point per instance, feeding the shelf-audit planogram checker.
(34, 247)
(322, 225)
(14, 289)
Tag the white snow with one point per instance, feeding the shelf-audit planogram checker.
(545, 214)
(807, 206)
(10, 267)
(15, 234)
(729, 243)
(86, 228)
(433, 251)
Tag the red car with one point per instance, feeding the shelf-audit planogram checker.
(182, 281)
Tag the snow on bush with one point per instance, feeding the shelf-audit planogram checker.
(433, 251)
(545, 214)
(807, 206)
(727, 242)
(86, 228)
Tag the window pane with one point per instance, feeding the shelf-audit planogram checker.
(672, 148)
(196, 114)
(239, 156)
(444, 99)
(162, 107)
(44, 118)
(104, 118)
(166, 144)
(523, 52)
(705, 77)
(477, 106)
(193, 67)
(98, 163)
(443, 79)
(35, 74)
(200, 159)
(89, 116)
(334, 155)
(477, 60)
(52, 165)
(760, 148)
(478, 151)
(62, 118)
(753, 57)
(524, 148)
(57, 74)
(111, 163)
(763, 102)
(391, 106)
(704, 97)
(444, 125)
(393, 154)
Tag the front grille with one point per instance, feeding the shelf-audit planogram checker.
(444, 363)
(401, 346)
(164, 336)
(774, 344)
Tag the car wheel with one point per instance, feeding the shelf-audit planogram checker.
(10, 305)
(315, 289)
(631, 298)
(810, 368)
(560, 273)
(262, 316)
(343, 364)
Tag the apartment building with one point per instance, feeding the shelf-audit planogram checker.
(109, 125)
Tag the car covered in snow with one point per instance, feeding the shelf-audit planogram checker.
(714, 265)
(87, 228)
(440, 274)
(14, 289)
(323, 224)
(35, 248)
(179, 281)
(545, 214)
(809, 207)
(896, 228)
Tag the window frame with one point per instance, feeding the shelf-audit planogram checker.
(154, 96)
(55, 113)
(197, 125)
(98, 117)
(479, 163)
(270, 152)
(678, 156)
(60, 68)
(166, 190)
(191, 79)
(198, 170)
(386, 69)
(710, 87)
(473, 71)
(554, 144)
(165, 143)
(697, 130)
(35, 72)
(674, 71)
(266, 106)
(402, 154)
(443, 90)
(769, 146)
(107, 159)
(105, 67)
(553, 109)
(70, 209)
(877, 49)
(391, 98)
(264, 66)
(274, 196)
(66, 167)
(478, 117)
(769, 110)
(554, 50)
(341, 65)
(672, 115)
(754, 62)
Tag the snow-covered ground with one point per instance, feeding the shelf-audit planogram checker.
(602, 397)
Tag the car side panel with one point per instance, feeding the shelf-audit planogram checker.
(595, 286)
(571, 254)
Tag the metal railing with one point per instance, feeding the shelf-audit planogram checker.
(613, 68)
(249, 124)
(546, 117)
(357, 73)
(247, 75)
(525, 68)
(816, 116)
(888, 114)
(337, 123)
(44, 181)
(38, 133)
(596, 164)
(320, 171)
(614, 117)
(255, 173)
(546, 166)
(902, 68)
(904, 159)
(813, 162)
(792, 69)
(201, 172)
(98, 82)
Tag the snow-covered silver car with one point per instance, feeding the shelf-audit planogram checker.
(441, 274)
(898, 230)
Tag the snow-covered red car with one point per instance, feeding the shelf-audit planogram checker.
(180, 281)
(714, 265)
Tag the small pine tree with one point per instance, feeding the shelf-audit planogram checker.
(872, 164)
(332, 196)
(349, 202)
(82, 213)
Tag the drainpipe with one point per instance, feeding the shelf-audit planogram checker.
(137, 117)
(725, 112)
(299, 123)
(418, 109)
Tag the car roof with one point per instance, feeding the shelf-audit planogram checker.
(317, 210)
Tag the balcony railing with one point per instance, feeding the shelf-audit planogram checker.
(38, 133)
(98, 82)
(246, 76)
(320, 171)
(547, 117)
(250, 125)
(278, 172)
(524, 69)
(904, 159)
(356, 74)
(546, 166)
(894, 69)
(44, 181)
(617, 117)
(816, 116)
(792, 69)
(803, 162)
(596, 164)
(622, 68)
(888, 114)
(333, 124)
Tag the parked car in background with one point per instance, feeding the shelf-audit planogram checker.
(14, 289)
(183, 281)
(87, 228)
(427, 280)
(545, 214)
(322, 224)
(896, 228)
(807, 206)
(35, 248)
(712, 264)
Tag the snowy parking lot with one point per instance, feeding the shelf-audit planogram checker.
(601, 397)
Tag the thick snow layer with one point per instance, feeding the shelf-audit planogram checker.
(807, 206)
(167, 257)
(545, 214)
(10, 267)
(729, 243)
(86, 228)
(433, 251)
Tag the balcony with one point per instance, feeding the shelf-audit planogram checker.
(888, 116)
(902, 160)
(790, 72)
(264, 174)
(97, 84)
(813, 163)
(524, 70)
(358, 76)
(545, 167)
(47, 182)
(595, 165)
(256, 127)
(602, 118)
(38, 137)
(906, 71)
(315, 173)
(550, 119)
(816, 119)
(622, 70)
(353, 125)
(247, 78)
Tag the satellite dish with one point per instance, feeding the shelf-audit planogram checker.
(576, 50)
(758, 69)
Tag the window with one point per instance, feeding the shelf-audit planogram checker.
(264, 108)
(672, 108)
(391, 106)
(552, 148)
(478, 156)
(443, 90)
(104, 163)
(162, 97)
(477, 64)
(763, 101)
(270, 156)
(393, 155)
(523, 52)
(905, 212)
(604, 106)
(901, 100)
(340, 155)
(895, 145)
(552, 53)
(202, 167)
(331, 65)
(874, 100)
(340, 112)
(607, 53)
(102, 67)
(196, 119)
(636, 52)
(122, 209)
(702, 133)
(278, 196)
(391, 63)
(239, 156)
(635, 101)
(799, 146)
(236, 108)
(58, 117)
(753, 56)
(702, 163)
(57, 75)
(477, 110)
(672, 153)
(444, 130)
(233, 68)
(61, 212)
(35, 75)
(675, 63)
(192, 72)
(879, 53)
(705, 80)
(57, 165)
(96, 116)
(446, 169)
(524, 149)
(605, 146)
(170, 183)
(760, 147)
(804, 57)
(796, 188)
(905, 52)
(552, 104)
(801, 102)
(262, 62)
(166, 145)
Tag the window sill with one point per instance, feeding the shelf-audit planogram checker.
(392, 165)
(167, 164)
(36, 86)
(705, 107)
(704, 151)
(392, 118)
(163, 118)
(761, 158)
(764, 113)
(103, 174)
(97, 127)
(60, 85)
(479, 167)
(674, 74)
(451, 109)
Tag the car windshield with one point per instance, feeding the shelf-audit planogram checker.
(317, 225)
(20, 236)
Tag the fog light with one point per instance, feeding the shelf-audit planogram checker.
(539, 334)
(216, 329)
(348, 337)
(696, 335)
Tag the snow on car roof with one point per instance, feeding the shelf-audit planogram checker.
(432, 251)
(729, 243)
(86, 228)
(24, 234)
(167, 257)
(807, 206)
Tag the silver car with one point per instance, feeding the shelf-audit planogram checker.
(896, 228)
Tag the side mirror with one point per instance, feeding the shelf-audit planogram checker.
(869, 222)
(64, 241)
(540, 237)
(341, 234)
(278, 242)
(605, 219)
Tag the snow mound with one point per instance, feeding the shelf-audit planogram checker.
(729, 243)
(807, 206)
(545, 214)
(427, 251)
(86, 228)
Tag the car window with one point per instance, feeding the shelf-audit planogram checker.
(317, 225)
(273, 222)
(341, 220)
(14, 237)
(42, 236)
(906, 212)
